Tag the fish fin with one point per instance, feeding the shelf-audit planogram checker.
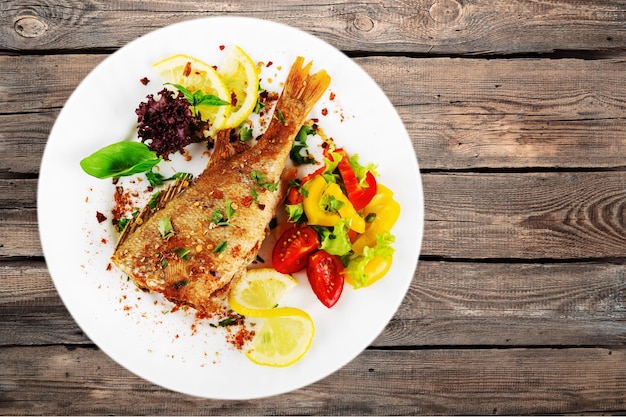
(223, 149)
(155, 205)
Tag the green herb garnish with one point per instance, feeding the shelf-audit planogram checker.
(198, 98)
(165, 228)
(183, 253)
(221, 247)
(220, 219)
(119, 160)
(152, 203)
(295, 212)
(245, 134)
(280, 117)
(300, 145)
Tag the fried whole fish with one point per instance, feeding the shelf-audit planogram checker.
(203, 235)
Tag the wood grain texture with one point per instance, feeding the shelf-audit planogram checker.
(407, 26)
(460, 114)
(533, 215)
(494, 381)
(448, 304)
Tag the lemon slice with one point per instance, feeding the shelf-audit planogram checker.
(282, 340)
(194, 75)
(258, 292)
(241, 77)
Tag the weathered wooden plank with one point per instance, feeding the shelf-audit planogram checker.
(448, 304)
(409, 26)
(18, 193)
(422, 382)
(19, 233)
(537, 215)
(460, 113)
(23, 139)
(558, 215)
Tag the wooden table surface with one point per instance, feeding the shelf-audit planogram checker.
(517, 113)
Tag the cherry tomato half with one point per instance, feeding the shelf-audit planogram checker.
(325, 274)
(293, 247)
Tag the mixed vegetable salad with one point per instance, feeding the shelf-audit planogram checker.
(339, 222)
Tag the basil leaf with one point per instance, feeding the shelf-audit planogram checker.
(199, 98)
(188, 95)
(120, 159)
(209, 100)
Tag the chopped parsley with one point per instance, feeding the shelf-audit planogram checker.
(223, 219)
(245, 134)
(330, 203)
(165, 228)
(221, 247)
(152, 203)
(280, 117)
(183, 253)
(260, 183)
(300, 145)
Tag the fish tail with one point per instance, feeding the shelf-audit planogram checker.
(300, 93)
(305, 88)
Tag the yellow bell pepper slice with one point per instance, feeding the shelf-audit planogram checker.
(386, 211)
(311, 204)
(375, 269)
(346, 211)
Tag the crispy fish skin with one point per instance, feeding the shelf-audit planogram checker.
(196, 264)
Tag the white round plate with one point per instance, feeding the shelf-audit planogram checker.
(140, 331)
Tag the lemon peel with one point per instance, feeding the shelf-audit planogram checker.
(286, 333)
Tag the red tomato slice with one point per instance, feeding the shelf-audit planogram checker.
(325, 274)
(292, 248)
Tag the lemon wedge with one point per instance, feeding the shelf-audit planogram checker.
(286, 332)
(259, 291)
(241, 77)
(196, 75)
(282, 340)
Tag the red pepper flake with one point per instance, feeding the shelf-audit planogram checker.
(247, 201)
(324, 111)
(100, 217)
(332, 96)
(144, 80)
(104, 241)
(109, 266)
(239, 338)
(222, 47)
(269, 64)
(218, 194)
(187, 69)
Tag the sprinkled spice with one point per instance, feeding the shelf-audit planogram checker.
(100, 217)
